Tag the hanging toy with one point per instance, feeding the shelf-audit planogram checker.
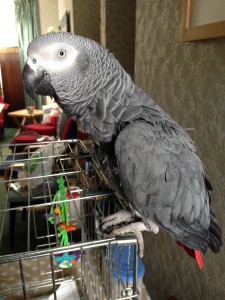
(65, 261)
(59, 216)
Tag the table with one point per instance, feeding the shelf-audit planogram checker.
(24, 114)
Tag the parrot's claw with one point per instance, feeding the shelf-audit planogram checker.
(117, 218)
(134, 228)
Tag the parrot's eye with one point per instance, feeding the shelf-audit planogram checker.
(34, 61)
(62, 53)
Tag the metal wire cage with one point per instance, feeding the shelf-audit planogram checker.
(61, 194)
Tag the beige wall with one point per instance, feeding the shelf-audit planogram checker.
(187, 79)
(52, 11)
(87, 18)
(48, 13)
(119, 30)
(63, 6)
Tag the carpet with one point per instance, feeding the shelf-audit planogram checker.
(10, 132)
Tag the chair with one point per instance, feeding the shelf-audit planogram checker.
(48, 127)
(51, 115)
(66, 129)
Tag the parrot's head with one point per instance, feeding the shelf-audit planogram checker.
(61, 65)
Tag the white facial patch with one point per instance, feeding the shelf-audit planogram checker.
(58, 57)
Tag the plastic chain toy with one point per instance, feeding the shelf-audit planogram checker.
(59, 214)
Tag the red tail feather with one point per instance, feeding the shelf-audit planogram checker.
(198, 257)
(195, 254)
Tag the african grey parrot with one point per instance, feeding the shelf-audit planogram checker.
(146, 151)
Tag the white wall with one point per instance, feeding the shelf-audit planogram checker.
(8, 35)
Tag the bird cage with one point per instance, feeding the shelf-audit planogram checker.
(54, 196)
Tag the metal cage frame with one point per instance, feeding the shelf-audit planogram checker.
(90, 198)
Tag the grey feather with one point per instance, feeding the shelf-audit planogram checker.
(161, 175)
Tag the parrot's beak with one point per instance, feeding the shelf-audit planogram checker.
(37, 83)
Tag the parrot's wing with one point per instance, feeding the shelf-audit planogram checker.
(164, 182)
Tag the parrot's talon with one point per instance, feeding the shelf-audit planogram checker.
(131, 227)
(117, 218)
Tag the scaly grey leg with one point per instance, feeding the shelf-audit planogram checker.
(135, 228)
(117, 218)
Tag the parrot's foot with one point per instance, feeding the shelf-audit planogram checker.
(117, 218)
(136, 229)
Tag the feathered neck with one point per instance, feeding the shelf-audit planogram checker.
(105, 99)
